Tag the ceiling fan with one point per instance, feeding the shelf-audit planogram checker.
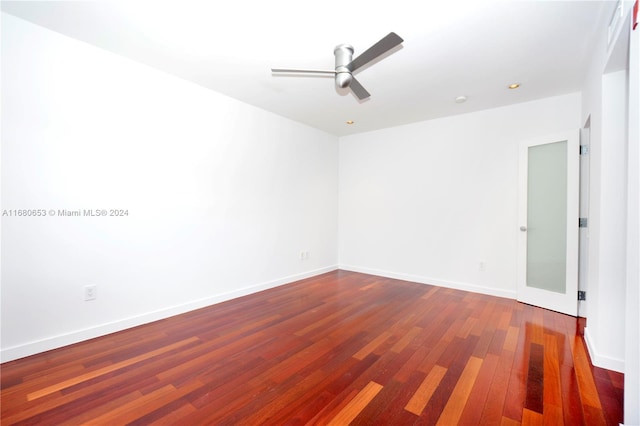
(345, 66)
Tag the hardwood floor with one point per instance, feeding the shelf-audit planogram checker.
(341, 348)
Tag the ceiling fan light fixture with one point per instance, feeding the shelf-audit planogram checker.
(513, 86)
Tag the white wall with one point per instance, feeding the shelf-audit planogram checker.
(222, 197)
(632, 320)
(605, 93)
(606, 292)
(430, 201)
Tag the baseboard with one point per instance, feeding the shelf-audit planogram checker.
(426, 280)
(54, 342)
(599, 360)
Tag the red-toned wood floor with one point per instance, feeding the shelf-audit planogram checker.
(341, 348)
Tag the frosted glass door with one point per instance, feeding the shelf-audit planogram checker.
(547, 217)
(548, 222)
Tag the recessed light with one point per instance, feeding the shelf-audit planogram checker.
(513, 86)
(461, 99)
(350, 121)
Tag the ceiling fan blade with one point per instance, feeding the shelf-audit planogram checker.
(358, 90)
(387, 43)
(297, 71)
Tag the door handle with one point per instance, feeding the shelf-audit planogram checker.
(523, 228)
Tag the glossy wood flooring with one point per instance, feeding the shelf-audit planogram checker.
(341, 348)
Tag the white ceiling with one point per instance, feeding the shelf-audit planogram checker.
(464, 47)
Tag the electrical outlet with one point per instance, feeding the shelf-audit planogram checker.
(482, 266)
(90, 292)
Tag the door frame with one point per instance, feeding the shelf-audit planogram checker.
(583, 232)
(566, 303)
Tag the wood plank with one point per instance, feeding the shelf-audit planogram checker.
(132, 410)
(466, 328)
(472, 413)
(104, 370)
(511, 340)
(174, 416)
(535, 379)
(586, 382)
(410, 366)
(552, 379)
(493, 409)
(383, 405)
(571, 402)
(505, 320)
(430, 293)
(357, 404)
(531, 418)
(88, 416)
(420, 399)
(552, 415)
(362, 353)
(458, 399)
(406, 339)
(506, 421)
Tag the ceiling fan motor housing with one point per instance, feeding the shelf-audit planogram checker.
(343, 54)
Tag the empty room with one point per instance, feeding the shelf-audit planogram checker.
(287, 213)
